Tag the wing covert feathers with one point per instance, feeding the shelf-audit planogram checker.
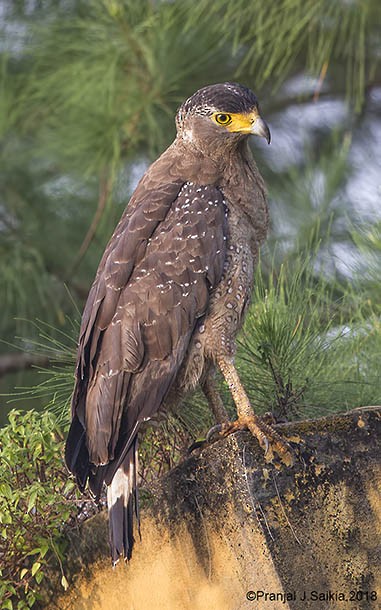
(152, 285)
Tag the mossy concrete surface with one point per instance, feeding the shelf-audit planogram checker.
(226, 531)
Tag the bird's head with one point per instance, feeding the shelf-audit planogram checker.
(224, 113)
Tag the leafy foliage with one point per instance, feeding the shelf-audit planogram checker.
(36, 500)
(55, 388)
(305, 352)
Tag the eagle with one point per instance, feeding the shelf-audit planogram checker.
(169, 297)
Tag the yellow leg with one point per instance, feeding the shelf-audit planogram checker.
(268, 439)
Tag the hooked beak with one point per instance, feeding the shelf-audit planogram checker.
(260, 128)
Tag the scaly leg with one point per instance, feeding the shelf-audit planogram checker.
(209, 387)
(268, 439)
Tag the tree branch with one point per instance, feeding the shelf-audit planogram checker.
(104, 191)
(14, 361)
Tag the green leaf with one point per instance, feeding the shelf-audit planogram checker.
(35, 567)
(32, 500)
(23, 572)
(31, 598)
(44, 548)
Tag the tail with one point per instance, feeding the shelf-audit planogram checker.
(121, 478)
(76, 454)
(123, 504)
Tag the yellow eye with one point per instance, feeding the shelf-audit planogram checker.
(223, 119)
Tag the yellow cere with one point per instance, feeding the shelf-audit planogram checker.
(236, 122)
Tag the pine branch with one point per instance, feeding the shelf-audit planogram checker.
(104, 191)
(13, 362)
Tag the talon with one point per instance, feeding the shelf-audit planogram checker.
(200, 443)
(217, 429)
(266, 445)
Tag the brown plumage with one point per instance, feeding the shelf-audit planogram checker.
(169, 297)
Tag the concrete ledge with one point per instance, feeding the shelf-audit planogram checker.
(225, 527)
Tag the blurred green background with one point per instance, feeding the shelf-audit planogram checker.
(88, 92)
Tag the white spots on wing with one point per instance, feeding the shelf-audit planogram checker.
(198, 344)
(140, 277)
(112, 373)
(202, 328)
